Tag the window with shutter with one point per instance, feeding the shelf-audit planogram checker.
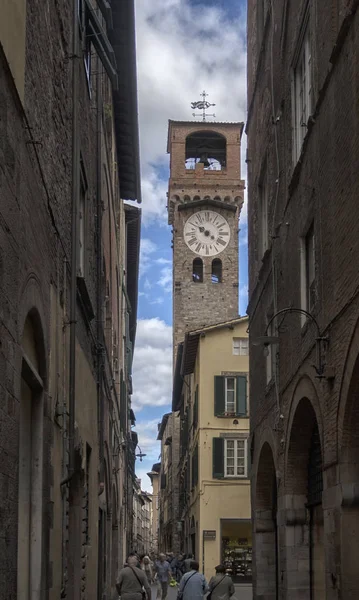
(195, 467)
(235, 458)
(219, 395)
(218, 458)
(195, 409)
(241, 396)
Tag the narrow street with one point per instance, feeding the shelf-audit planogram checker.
(243, 592)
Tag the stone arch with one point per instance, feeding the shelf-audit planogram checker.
(265, 526)
(217, 198)
(227, 199)
(186, 198)
(348, 453)
(347, 401)
(238, 200)
(196, 198)
(303, 516)
(30, 551)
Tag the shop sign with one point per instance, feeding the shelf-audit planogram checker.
(209, 534)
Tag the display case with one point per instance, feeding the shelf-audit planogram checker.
(237, 558)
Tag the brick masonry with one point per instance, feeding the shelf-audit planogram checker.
(321, 188)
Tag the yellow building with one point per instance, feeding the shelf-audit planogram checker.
(211, 393)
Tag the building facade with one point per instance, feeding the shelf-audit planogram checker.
(154, 476)
(205, 196)
(303, 246)
(68, 294)
(168, 435)
(211, 394)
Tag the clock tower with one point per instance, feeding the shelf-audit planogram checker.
(205, 197)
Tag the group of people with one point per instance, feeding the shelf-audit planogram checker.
(139, 573)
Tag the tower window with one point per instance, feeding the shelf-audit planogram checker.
(197, 271)
(208, 148)
(217, 270)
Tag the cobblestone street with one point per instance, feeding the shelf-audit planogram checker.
(243, 592)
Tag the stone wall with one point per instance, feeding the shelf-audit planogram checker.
(320, 188)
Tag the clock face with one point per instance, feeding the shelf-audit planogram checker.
(207, 233)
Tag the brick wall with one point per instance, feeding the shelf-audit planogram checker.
(321, 188)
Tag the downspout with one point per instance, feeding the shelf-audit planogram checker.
(100, 337)
(75, 187)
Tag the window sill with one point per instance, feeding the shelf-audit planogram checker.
(231, 416)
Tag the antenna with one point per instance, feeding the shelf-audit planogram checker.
(202, 105)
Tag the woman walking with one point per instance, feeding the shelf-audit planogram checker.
(221, 585)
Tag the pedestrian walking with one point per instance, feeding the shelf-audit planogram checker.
(147, 568)
(187, 562)
(132, 582)
(193, 585)
(163, 571)
(221, 585)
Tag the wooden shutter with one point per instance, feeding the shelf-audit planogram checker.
(218, 458)
(195, 466)
(219, 399)
(195, 408)
(241, 396)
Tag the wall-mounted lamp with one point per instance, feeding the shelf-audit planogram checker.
(267, 340)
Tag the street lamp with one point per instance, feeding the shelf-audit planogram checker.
(267, 340)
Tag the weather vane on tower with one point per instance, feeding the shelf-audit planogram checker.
(202, 105)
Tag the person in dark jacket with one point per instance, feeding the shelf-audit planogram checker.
(221, 585)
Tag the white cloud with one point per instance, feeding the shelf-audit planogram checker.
(147, 249)
(152, 366)
(163, 261)
(181, 50)
(165, 280)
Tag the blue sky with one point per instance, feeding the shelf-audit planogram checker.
(183, 47)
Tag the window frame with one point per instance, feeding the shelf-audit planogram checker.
(82, 223)
(263, 206)
(240, 340)
(308, 271)
(226, 410)
(302, 88)
(235, 475)
(270, 356)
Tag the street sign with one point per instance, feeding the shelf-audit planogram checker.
(209, 534)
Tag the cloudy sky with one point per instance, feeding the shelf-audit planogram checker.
(183, 47)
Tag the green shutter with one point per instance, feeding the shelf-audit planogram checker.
(249, 458)
(219, 399)
(218, 458)
(195, 467)
(195, 408)
(241, 396)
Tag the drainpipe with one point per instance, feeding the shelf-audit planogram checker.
(75, 187)
(100, 340)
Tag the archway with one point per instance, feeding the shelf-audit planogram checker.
(304, 529)
(30, 477)
(266, 537)
(349, 477)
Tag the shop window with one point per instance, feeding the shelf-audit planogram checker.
(237, 549)
(230, 396)
(240, 346)
(230, 458)
(217, 270)
(197, 271)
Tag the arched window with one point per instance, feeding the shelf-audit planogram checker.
(197, 271)
(217, 270)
